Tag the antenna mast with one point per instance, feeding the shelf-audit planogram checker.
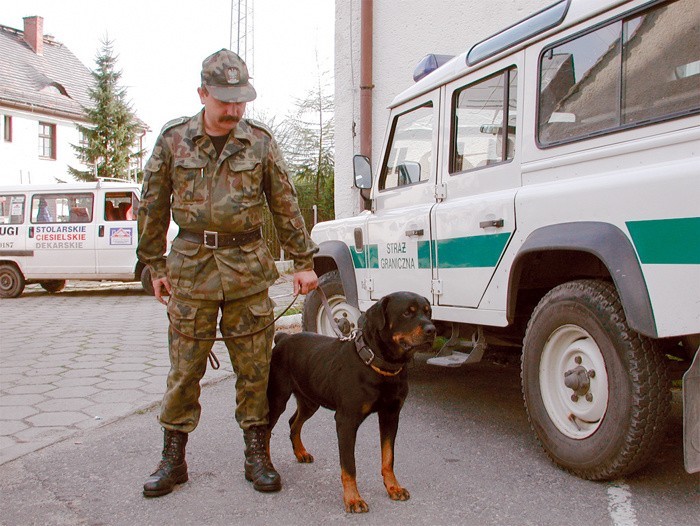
(242, 40)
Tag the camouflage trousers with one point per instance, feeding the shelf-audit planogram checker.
(250, 357)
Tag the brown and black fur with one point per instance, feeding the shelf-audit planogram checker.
(324, 371)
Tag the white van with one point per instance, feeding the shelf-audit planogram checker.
(82, 231)
(542, 190)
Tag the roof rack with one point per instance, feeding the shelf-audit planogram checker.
(536, 23)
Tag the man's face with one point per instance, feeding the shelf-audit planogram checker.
(220, 117)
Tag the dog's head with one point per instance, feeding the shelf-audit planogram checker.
(399, 325)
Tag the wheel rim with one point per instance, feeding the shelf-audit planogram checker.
(7, 282)
(340, 309)
(573, 382)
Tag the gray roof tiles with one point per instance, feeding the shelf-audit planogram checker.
(53, 82)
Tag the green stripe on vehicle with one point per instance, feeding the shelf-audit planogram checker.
(667, 241)
(471, 252)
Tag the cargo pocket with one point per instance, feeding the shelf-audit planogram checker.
(180, 265)
(260, 262)
(182, 317)
(245, 179)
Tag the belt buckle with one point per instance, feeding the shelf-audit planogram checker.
(208, 234)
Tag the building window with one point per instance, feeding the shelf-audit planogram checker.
(47, 140)
(7, 128)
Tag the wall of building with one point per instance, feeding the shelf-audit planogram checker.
(403, 33)
(21, 163)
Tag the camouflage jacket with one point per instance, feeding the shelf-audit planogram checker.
(225, 194)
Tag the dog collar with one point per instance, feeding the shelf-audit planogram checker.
(375, 362)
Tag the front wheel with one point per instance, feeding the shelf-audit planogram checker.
(314, 317)
(597, 393)
(11, 281)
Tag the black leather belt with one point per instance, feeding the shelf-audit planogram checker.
(220, 239)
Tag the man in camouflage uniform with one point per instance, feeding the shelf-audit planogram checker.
(214, 172)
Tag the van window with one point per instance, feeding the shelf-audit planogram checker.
(484, 122)
(409, 157)
(121, 206)
(62, 208)
(636, 70)
(11, 209)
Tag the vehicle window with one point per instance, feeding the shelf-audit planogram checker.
(11, 209)
(62, 208)
(120, 206)
(484, 125)
(633, 71)
(409, 157)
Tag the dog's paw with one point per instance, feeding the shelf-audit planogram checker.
(304, 457)
(356, 506)
(398, 493)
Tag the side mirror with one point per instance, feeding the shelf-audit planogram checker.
(362, 171)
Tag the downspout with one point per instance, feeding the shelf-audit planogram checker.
(366, 85)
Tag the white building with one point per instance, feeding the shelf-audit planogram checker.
(403, 32)
(43, 90)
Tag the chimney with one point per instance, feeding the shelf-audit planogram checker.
(34, 33)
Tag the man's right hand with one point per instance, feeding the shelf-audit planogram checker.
(161, 288)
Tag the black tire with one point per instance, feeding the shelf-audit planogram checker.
(313, 316)
(147, 282)
(11, 281)
(581, 326)
(53, 285)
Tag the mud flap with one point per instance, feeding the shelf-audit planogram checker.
(691, 416)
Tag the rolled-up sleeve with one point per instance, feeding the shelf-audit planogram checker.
(154, 210)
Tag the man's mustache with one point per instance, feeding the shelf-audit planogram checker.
(228, 118)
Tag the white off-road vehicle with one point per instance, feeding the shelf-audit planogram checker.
(542, 190)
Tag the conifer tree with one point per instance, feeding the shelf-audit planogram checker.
(112, 129)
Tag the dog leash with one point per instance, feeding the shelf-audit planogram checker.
(213, 360)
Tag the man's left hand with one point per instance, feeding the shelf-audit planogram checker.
(305, 281)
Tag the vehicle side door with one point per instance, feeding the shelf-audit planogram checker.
(398, 230)
(62, 234)
(480, 173)
(117, 234)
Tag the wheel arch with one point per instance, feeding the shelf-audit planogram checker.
(586, 249)
(335, 255)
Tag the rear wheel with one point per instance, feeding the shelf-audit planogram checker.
(11, 281)
(53, 285)
(597, 393)
(314, 317)
(146, 281)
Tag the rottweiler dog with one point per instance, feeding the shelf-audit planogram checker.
(354, 378)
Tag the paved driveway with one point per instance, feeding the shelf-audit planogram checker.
(86, 356)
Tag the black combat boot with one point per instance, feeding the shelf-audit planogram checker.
(172, 469)
(258, 466)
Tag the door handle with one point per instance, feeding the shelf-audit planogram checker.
(414, 233)
(101, 231)
(498, 223)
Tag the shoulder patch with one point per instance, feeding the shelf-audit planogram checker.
(173, 123)
(260, 126)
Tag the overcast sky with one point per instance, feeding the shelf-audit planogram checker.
(160, 46)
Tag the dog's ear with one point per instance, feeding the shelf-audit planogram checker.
(375, 315)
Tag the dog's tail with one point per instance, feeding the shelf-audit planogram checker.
(279, 336)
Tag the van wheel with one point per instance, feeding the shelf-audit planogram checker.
(147, 282)
(314, 317)
(597, 393)
(54, 285)
(11, 281)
